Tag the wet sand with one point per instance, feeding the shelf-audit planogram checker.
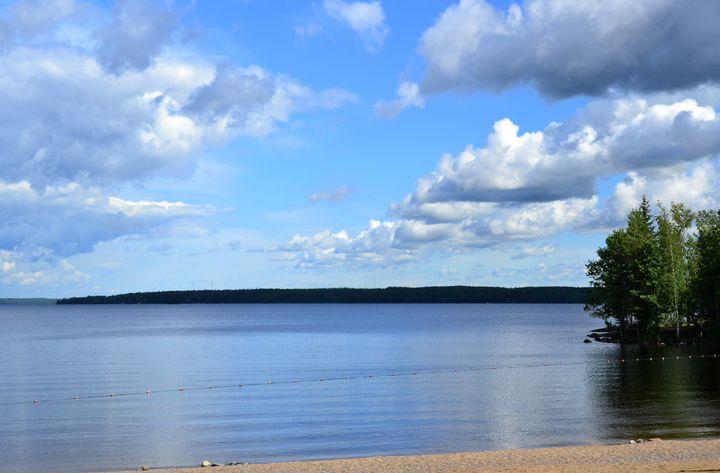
(686, 456)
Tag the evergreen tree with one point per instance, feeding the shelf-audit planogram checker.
(654, 274)
(644, 269)
(706, 283)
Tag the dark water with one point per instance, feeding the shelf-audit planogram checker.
(583, 394)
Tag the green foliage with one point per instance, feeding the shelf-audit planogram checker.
(706, 283)
(610, 278)
(644, 268)
(676, 254)
(654, 274)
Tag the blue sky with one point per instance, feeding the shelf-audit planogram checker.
(238, 144)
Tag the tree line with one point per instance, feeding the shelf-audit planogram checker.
(658, 278)
(392, 295)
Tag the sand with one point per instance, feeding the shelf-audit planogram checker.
(687, 456)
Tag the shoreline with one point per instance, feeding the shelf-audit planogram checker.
(651, 456)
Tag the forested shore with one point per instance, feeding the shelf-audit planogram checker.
(658, 278)
(388, 295)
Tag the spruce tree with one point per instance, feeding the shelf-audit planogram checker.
(644, 269)
(706, 283)
(654, 274)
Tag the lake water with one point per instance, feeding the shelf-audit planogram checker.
(524, 379)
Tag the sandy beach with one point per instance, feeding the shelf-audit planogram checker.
(687, 456)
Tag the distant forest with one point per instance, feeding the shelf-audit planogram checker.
(389, 295)
(27, 301)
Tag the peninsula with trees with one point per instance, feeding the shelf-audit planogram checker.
(658, 278)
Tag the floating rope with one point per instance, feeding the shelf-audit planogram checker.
(147, 392)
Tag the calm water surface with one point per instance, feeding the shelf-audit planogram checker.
(47, 353)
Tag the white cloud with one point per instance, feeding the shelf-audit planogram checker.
(564, 160)
(7, 266)
(525, 187)
(373, 246)
(697, 186)
(439, 212)
(72, 273)
(69, 219)
(408, 95)
(22, 269)
(390, 243)
(530, 221)
(367, 19)
(338, 195)
(34, 16)
(137, 33)
(144, 124)
(527, 251)
(144, 208)
(135, 132)
(572, 47)
(252, 101)
(89, 113)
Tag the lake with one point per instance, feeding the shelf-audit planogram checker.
(420, 379)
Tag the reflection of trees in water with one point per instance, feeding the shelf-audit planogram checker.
(643, 399)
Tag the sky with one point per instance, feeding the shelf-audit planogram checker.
(178, 144)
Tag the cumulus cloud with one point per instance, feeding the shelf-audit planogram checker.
(408, 95)
(525, 187)
(394, 242)
(136, 34)
(372, 246)
(567, 48)
(529, 221)
(563, 161)
(135, 130)
(698, 187)
(69, 219)
(338, 195)
(144, 124)
(93, 105)
(367, 19)
(252, 101)
(233, 90)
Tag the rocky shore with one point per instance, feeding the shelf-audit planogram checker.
(689, 336)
